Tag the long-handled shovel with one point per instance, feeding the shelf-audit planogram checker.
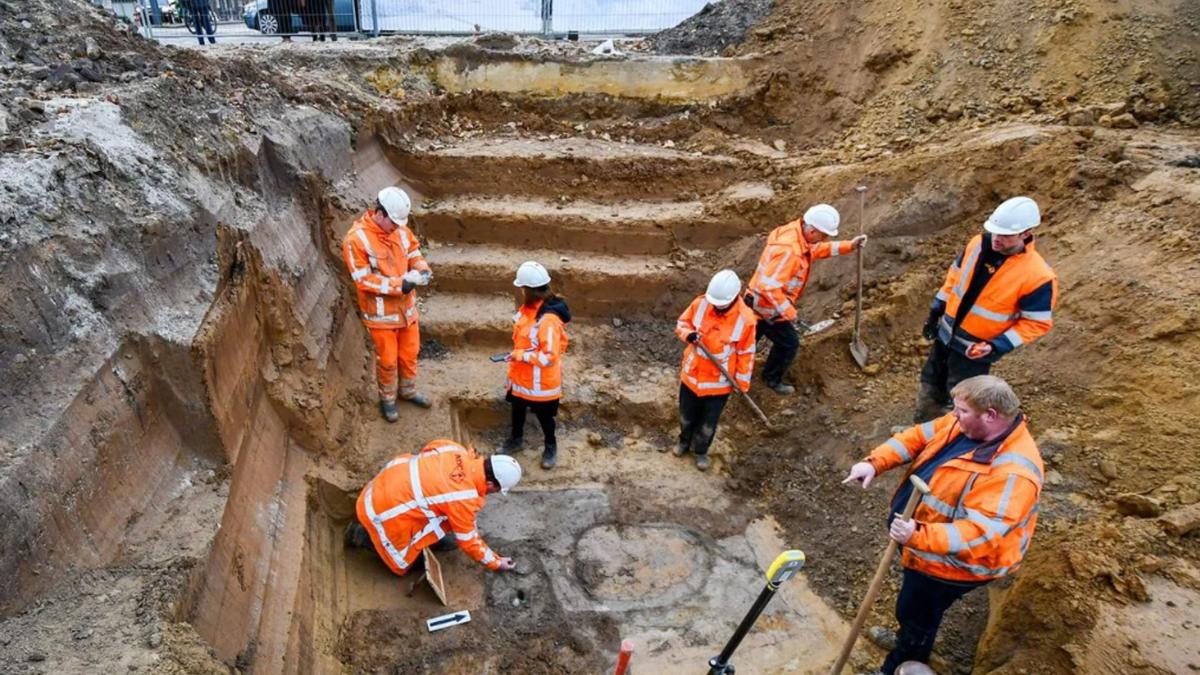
(858, 349)
(757, 410)
(920, 489)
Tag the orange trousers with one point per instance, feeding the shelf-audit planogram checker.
(396, 355)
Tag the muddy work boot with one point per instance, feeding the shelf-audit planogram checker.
(680, 450)
(550, 456)
(511, 446)
(419, 400)
(931, 403)
(781, 388)
(388, 408)
(703, 462)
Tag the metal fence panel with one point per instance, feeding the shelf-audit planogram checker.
(242, 20)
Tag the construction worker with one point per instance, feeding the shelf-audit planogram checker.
(985, 476)
(720, 322)
(431, 499)
(780, 278)
(535, 364)
(998, 295)
(385, 262)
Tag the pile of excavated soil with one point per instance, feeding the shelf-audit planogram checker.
(714, 29)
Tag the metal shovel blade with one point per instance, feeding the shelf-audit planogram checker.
(813, 329)
(858, 349)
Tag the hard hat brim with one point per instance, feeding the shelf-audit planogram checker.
(718, 302)
(996, 229)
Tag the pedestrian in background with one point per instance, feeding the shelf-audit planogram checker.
(200, 16)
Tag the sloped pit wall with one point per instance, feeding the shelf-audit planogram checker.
(119, 461)
(282, 359)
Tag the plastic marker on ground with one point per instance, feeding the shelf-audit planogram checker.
(447, 620)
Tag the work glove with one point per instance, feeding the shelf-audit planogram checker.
(902, 530)
(693, 337)
(930, 330)
(417, 277)
(979, 350)
(507, 565)
(859, 242)
(863, 471)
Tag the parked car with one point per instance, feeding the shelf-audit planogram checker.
(258, 18)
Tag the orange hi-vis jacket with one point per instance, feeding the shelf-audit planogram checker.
(535, 367)
(417, 499)
(377, 261)
(729, 337)
(782, 270)
(1014, 308)
(977, 521)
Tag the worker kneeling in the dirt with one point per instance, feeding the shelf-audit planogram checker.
(431, 499)
(985, 477)
(780, 278)
(386, 265)
(721, 324)
(998, 295)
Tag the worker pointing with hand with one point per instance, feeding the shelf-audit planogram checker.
(985, 476)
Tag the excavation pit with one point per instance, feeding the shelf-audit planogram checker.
(625, 543)
(618, 542)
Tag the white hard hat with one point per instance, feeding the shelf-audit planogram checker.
(396, 203)
(1014, 216)
(723, 288)
(823, 217)
(507, 472)
(531, 275)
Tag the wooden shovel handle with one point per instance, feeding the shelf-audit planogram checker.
(725, 373)
(920, 489)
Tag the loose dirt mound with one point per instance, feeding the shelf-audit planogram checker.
(712, 30)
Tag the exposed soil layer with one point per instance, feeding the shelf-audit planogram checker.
(188, 396)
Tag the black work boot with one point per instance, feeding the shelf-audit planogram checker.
(703, 462)
(781, 388)
(356, 536)
(681, 449)
(931, 403)
(388, 408)
(512, 445)
(550, 455)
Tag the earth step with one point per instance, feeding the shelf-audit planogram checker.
(631, 227)
(576, 167)
(596, 284)
(468, 319)
(652, 227)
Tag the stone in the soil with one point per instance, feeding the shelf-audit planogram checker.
(1131, 504)
(1183, 520)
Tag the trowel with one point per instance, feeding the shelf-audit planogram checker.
(858, 349)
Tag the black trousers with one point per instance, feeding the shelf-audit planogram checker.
(698, 417)
(545, 411)
(785, 342)
(919, 608)
(945, 368)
